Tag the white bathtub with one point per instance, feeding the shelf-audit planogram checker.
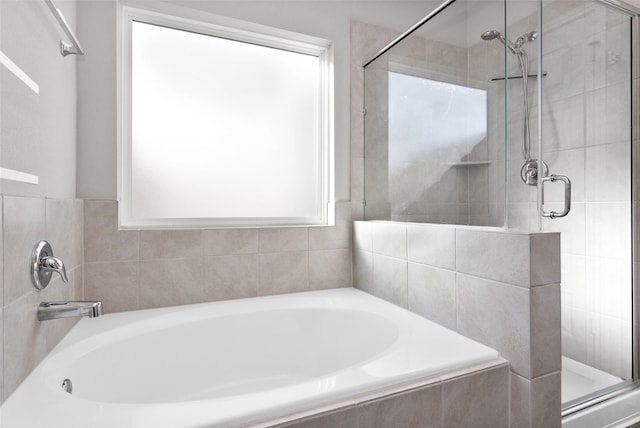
(234, 363)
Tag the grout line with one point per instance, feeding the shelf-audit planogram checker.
(509, 394)
(202, 261)
(406, 253)
(309, 254)
(138, 284)
(455, 278)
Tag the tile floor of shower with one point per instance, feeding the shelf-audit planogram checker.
(579, 380)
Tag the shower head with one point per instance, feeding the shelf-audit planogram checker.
(495, 34)
(490, 35)
(526, 37)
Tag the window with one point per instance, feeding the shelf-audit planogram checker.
(429, 118)
(222, 126)
(438, 151)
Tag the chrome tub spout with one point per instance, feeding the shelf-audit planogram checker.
(55, 310)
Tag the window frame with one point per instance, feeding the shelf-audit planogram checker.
(242, 31)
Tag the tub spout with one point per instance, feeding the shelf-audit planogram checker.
(55, 310)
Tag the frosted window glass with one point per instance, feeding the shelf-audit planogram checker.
(432, 126)
(429, 118)
(222, 128)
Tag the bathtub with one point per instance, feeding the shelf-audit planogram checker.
(235, 363)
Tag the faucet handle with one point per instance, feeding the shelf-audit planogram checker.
(43, 264)
(54, 264)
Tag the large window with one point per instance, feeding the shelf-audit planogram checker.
(222, 126)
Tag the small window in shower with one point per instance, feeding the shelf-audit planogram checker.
(437, 130)
(435, 124)
(223, 126)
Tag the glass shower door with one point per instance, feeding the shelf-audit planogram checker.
(586, 136)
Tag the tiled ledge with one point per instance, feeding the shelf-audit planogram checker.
(460, 398)
(498, 287)
(524, 259)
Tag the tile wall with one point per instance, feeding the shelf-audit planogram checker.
(596, 295)
(130, 270)
(26, 220)
(365, 41)
(499, 288)
(477, 399)
(586, 136)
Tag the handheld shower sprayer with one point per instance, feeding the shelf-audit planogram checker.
(495, 34)
(518, 50)
(515, 48)
(526, 37)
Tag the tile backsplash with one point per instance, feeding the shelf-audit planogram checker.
(444, 273)
(26, 220)
(131, 270)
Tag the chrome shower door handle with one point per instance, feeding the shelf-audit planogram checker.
(567, 195)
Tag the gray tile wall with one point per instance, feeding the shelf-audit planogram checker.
(478, 399)
(501, 288)
(131, 270)
(25, 340)
(586, 117)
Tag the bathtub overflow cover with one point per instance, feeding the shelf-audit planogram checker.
(67, 386)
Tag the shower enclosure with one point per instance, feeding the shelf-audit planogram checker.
(519, 115)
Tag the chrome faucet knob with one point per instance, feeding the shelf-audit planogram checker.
(54, 264)
(43, 264)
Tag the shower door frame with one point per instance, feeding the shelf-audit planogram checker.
(632, 384)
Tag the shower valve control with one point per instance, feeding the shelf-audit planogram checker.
(529, 172)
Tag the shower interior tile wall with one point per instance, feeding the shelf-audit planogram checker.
(450, 194)
(131, 270)
(585, 134)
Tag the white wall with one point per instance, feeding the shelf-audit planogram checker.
(97, 71)
(38, 132)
